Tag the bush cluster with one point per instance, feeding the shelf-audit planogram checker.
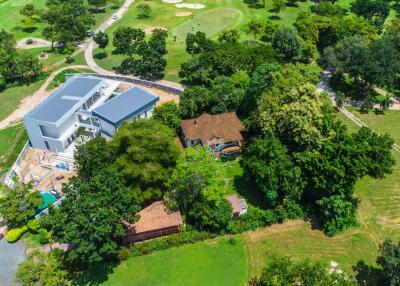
(255, 218)
(15, 233)
(165, 242)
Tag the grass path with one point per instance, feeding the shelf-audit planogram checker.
(12, 140)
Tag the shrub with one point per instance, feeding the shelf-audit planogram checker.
(253, 219)
(3, 83)
(43, 236)
(15, 233)
(29, 41)
(233, 240)
(144, 11)
(123, 253)
(34, 225)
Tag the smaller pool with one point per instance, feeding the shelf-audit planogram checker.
(47, 200)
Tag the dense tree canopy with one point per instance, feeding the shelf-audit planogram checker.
(146, 155)
(169, 114)
(389, 260)
(90, 216)
(19, 205)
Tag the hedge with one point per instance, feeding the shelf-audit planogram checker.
(165, 242)
(15, 233)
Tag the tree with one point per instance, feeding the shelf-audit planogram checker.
(146, 155)
(151, 65)
(157, 41)
(337, 213)
(255, 28)
(267, 164)
(375, 10)
(193, 101)
(144, 11)
(19, 205)
(91, 214)
(127, 40)
(101, 39)
(91, 157)
(68, 21)
(169, 114)
(280, 270)
(389, 260)
(98, 3)
(278, 6)
(212, 215)
(195, 175)
(41, 268)
(229, 36)
(286, 43)
(196, 43)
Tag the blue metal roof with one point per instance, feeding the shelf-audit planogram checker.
(125, 105)
(67, 98)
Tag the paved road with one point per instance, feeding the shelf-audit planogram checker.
(323, 86)
(11, 254)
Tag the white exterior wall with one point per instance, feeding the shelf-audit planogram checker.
(106, 127)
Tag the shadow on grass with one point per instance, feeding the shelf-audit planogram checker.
(249, 192)
(95, 275)
(100, 56)
(367, 275)
(274, 17)
(253, 4)
(29, 29)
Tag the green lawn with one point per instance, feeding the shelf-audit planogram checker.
(12, 140)
(389, 122)
(213, 262)
(10, 18)
(60, 77)
(216, 17)
(11, 97)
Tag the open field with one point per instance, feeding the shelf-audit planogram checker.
(11, 97)
(12, 140)
(382, 123)
(214, 18)
(213, 262)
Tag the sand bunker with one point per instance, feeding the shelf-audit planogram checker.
(190, 6)
(172, 1)
(149, 30)
(183, 14)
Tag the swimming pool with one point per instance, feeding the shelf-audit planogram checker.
(47, 200)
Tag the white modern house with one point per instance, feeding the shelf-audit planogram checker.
(86, 102)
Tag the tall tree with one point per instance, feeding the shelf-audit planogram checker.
(146, 155)
(19, 205)
(91, 214)
(286, 43)
(101, 39)
(278, 6)
(169, 114)
(389, 260)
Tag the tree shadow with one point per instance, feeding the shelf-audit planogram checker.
(95, 275)
(248, 191)
(274, 17)
(367, 275)
(29, 29)
(100, 55)
(254, 4)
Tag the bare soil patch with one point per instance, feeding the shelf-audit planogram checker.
(183, 14)
(149, 30)
(190, 6)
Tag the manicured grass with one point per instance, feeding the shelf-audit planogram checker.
(32, 240)
(214, 18)
(351, 126)
(52, 57)
(389, 122)
(10, 18)
(11, 97)
(213, 262)
(12, 140)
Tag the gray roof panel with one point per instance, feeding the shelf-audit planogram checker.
(125, 105)
(70, 96)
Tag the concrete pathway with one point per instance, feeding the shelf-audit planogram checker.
(11, 254)
(323, 86)
(29, 102)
